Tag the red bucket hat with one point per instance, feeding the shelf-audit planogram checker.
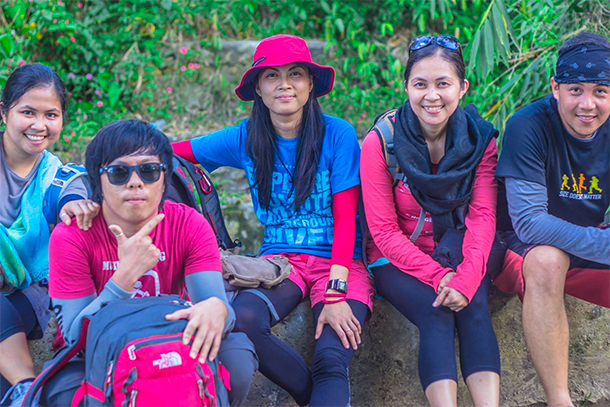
(283, 50)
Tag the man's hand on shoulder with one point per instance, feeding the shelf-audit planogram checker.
(205, 327)
(137, 254)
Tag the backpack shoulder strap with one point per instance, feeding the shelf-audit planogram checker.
(64, 176)
(384, 127)
(59, 361)
(208, 202)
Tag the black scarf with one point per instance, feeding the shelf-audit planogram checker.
(445, 194)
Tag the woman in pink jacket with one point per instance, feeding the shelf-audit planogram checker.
(433, 225)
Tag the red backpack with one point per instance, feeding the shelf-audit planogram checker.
(135, 357)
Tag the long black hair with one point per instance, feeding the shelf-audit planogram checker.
(261, 136)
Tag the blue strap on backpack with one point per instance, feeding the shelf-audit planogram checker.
(64, 176)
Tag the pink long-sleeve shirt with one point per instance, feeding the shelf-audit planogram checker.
(392, 215)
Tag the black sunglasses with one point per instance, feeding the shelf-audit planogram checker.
(120, 174)
(445, 41)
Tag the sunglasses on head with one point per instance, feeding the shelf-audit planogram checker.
(445, 41)
(120, 174)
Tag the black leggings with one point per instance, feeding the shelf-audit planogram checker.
(16, 315)
(327, 384)
(478, 345)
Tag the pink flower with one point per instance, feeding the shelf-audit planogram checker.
(72, 39)
(59, 2)
(89, 76)
(396, 90)
(66, 139)
(54, 20)
(100, 103)
(67, 22)
(80, 5)
(197, 66)
(169, 90)
(71, 76)
(57, 42)
(73, 134)
(191, 66)
(85, 116)
(183, 68)
(21, 63)
(183, 50)
(98, 93)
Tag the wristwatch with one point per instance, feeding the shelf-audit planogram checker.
(337, 285)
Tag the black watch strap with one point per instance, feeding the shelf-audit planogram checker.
(337, 285)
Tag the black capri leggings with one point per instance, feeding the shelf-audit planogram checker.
(478, 345)
(16, 315)
(327, 384)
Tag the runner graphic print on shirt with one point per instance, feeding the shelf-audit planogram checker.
(578, 189)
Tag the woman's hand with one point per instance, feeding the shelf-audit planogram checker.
(83, 209)
(341, 318)
(444, 281)
(207, 317)
(451, 298)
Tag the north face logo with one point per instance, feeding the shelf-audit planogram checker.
(168, 360)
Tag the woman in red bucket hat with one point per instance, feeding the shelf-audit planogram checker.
(302, 167)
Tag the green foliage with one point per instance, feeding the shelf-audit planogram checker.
(143, 58)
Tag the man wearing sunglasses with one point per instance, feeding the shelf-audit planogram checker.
(556, 169)
(141, 246)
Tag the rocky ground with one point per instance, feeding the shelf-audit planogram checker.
(383, 371)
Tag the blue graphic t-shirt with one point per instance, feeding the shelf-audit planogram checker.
(310, 229)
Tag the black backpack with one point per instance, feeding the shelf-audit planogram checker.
(192, 186)
(384, 127)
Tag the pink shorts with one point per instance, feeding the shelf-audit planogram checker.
(585, 279)
(311, 273)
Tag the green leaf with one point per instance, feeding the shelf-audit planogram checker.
(340, 25)
(7, 44)
(113, 94)
(166, 4)
(103, 78)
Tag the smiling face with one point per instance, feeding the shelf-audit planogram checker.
(285, 90)
(33, 123)
(583, 107)
(135, 202)
(434, 91)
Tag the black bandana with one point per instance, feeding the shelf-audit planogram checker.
(585, 63)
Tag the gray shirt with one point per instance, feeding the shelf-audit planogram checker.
(12, 188)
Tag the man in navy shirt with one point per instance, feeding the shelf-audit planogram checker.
(555, 164)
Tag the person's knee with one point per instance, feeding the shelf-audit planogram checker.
(331, 362)
(251, 319)
(238, 357)
(545, 269)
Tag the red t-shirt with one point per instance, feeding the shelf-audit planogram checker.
(82, 262)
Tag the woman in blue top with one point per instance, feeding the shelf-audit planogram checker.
(32, 106)
(302, 167)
